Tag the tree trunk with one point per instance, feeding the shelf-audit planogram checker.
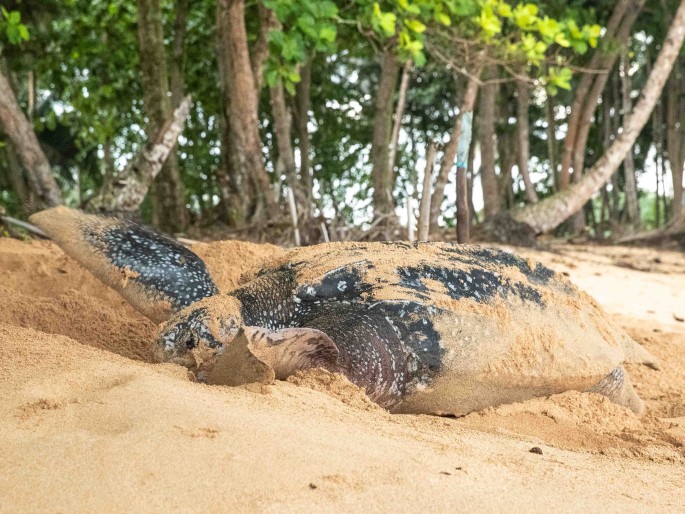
(168, 193)
(473, 218)
(463, 222)
(674, 140)
(177, 53)
(598, 85)
(301, 122)
(451, 150)
(234, 206)
(582, 91)
(124, 194)
(508, 155)
(523, 135)
(260, 49)
(632, 204)
(16, 178)
(551, 141)
(488, 176)
(399, 112)
(383, 205)
(282, 131)
(241, 99)
(549, 213)
(17, 128)
(426, 193)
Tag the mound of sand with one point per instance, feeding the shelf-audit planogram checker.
(88, 423)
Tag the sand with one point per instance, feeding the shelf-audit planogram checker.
(88, 423)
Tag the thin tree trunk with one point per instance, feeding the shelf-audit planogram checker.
(168, 193)
(426, 193)
(234, 188)
(473, 218)
(674, 140)
(178, 53)
(383, 204)
(551, 141)
(31, 91)
(507, 152)
(463, 222)
(16, 178)
(598, 85)
(17, 128)
(582, 91)
(301, 124)
(450, 154)
(659, 182)
(260, 50)
(549, 213)
(657, 131)
(488, 176)
(399, 112)
(283, 130)
(464, 200)
(242, 103)
(628, 163)
(609, 205)
(523, 135)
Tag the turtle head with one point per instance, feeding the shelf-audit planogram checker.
(209, 338)
(198, 334)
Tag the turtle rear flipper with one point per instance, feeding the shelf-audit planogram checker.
(156, 275)
(617, 387)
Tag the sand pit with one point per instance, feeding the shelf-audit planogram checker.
(88, 423)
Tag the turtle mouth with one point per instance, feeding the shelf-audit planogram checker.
(199, 357)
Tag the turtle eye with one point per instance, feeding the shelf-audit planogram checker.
(191, 342)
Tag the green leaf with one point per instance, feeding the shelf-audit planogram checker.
(307, 24)
(561, 40)
(443, 19)
(23, 32)
(289, 87)
(560, 77)
(415, 26)
(327, 9)
(504, 10)
(13, 34)
(387, 23)
(14, 18)
(419, 59)
(272, 77)
(573, 29)
(328, 33)
(548, 28)
(579, 47)
(489, 22)
(525, 16)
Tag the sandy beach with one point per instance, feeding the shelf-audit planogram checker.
(89, 423)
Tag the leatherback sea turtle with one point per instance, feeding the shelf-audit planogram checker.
(425, 328)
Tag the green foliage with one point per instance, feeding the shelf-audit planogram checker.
(308, 26)
(524, 33)
(84, 55)
(12, 28)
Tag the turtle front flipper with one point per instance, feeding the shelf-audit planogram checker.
(260, 355)
(156, 275)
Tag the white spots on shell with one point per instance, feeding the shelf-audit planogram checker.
(342, 285)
